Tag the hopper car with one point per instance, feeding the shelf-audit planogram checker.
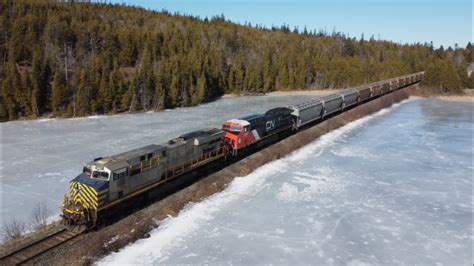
(114, 180)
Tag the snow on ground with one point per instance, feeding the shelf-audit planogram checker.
(391, 188)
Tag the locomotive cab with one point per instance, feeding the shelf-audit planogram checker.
(238, 133)
(88, 192)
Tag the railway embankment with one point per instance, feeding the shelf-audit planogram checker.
(89, 247)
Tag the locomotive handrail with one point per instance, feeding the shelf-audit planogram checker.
(223, 153)
(200, 159)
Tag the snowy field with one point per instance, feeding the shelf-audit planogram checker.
(39, 158)
(389, 189)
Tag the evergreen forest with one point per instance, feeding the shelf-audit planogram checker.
(75, 58)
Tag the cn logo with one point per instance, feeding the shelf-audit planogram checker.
(270, 124)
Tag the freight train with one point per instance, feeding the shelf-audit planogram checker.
(113, 180)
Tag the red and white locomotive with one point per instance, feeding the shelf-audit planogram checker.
(246, 132)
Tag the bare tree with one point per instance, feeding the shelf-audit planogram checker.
(13, 229)
(40, 215)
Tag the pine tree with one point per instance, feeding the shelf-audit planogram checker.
(348, 48)
(283, 78)
(116, 87)
(443, 75)
(231, 80)
(200, 93)
(184, 96)
(95, 79)
(145, 80)
(239, 84)
(128, 51)
(470, 82)
(451, 81)
(105, 93)
(7, 96)
(82, 99)
(34, 98)
(59, 97)
(268, 77)
(127, 99)
(159, 96)
(175, 90)
(39, 82)
(11, 87)
(3, 111)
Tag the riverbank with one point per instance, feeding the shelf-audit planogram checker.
(425, 92)
(287, 93)
(460, 98)
(468, 96)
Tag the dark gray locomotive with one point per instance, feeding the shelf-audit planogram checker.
(108, 181)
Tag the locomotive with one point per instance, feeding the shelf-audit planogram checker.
(109, 181)
(113, 180)
(247, 131)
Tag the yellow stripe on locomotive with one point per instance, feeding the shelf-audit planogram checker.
(84, 200)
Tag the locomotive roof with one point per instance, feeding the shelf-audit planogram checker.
(138, 152)
(128, 155)
(121, 159)
(200, 133)
(250, 117)
(198, 136)
(278, 111)
(239, 122)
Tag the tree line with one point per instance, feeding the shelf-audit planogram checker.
(70, 58)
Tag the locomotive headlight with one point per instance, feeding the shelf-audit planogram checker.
(239, 140)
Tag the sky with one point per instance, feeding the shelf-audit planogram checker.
(445, 22)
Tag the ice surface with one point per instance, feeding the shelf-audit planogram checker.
(392, 188)
(39, 158)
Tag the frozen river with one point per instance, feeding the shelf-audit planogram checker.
(392, 188)
(39, 158)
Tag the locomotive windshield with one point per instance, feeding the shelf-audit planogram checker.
(95, 174)
(100, 175)
(232, 129)
(87, 171)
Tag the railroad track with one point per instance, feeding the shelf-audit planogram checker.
(27, 253)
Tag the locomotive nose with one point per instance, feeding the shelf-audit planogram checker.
(84, 195)
(87, 196)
